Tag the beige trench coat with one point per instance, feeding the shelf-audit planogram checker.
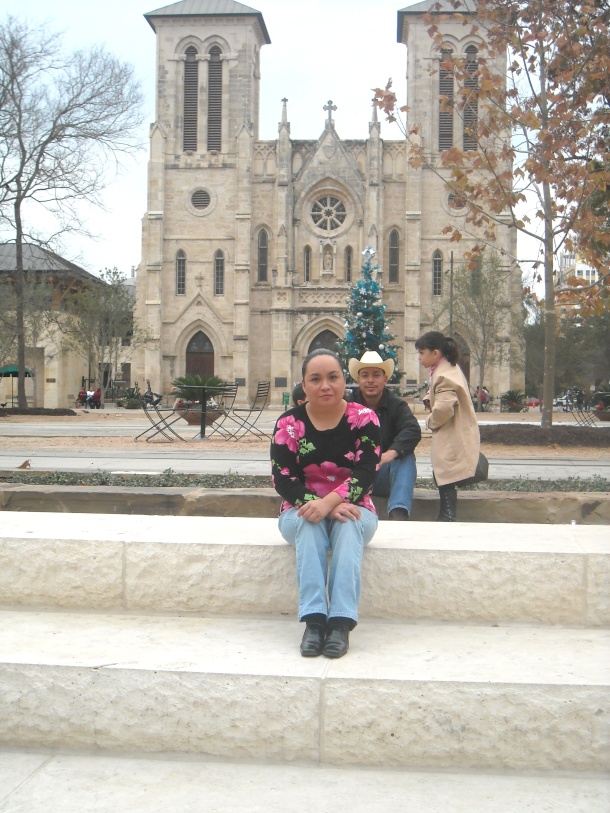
(455, 431)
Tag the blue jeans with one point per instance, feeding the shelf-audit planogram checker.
(396, 481)
(312, 540)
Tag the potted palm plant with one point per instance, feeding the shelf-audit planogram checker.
(184, 387)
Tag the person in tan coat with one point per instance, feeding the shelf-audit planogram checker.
(455, 431)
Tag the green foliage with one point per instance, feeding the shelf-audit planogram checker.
(513, 401)
(183, 391)
(172, 479)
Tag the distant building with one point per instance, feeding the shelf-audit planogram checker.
(57, 375)
(571, 266)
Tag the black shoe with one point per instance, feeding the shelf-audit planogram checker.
(313, 640)
(399, 515)
(337, 642)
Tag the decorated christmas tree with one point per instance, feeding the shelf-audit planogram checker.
(367, 325)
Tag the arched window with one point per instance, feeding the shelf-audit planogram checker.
(437, 274)
(215, 100)
(326, 339)
(263, 255)
(307, 264)
(445, 89)
(219, 273)
(180, 273)
(191, 88)
(393, 266)
(471, 106)
(349, 254)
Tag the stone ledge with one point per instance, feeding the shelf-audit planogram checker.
(473, 506)
(444, 697)
(546, 574)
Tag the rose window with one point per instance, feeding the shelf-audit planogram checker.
(328, 213)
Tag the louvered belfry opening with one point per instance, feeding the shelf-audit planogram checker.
(215, 100)
(471, 107)
(180, 273)
(219, 273)
(437, 274)
(191, 85)
(263, 251)
(445, 89)
(393, 264)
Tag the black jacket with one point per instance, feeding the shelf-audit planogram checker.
(400, 429)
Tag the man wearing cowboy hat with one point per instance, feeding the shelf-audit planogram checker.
(400, 432)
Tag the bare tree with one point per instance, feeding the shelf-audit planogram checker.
(65, 123)
(100, 326)
(479, 306)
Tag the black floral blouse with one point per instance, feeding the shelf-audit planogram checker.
(307, 463)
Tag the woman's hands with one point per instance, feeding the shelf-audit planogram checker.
(331, 506)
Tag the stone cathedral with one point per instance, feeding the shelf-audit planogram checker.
(250, 247)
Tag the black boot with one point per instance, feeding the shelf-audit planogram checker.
(337, 640)
(314, 635)
(448, 495)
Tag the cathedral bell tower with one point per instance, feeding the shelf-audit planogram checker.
(194, 277)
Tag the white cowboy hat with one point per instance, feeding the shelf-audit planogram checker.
(370, 359)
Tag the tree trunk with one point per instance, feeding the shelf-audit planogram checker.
(19, 284)
(550, 318)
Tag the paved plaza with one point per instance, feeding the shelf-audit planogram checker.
(39, 441)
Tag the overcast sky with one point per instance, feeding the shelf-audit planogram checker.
(319, 50)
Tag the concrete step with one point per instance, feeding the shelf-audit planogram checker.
(483, 574)
(406, 696)
(49, 783)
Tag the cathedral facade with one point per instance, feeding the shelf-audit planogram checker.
(250, 247)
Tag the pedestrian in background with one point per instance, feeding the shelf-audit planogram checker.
(452, 420)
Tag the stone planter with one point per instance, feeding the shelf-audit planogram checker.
(193, 416)
(602, 415)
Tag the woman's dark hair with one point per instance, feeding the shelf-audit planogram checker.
(321, 351)
(435, 340)
(298, 394)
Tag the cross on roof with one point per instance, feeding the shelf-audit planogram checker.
(329, 106)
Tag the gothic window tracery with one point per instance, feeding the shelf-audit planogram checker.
(328, 213)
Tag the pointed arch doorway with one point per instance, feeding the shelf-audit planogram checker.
(326, 339)
(200, 355)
